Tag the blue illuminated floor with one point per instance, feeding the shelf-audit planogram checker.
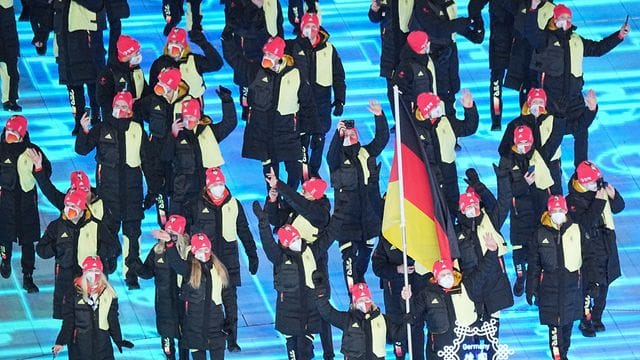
(26, 330)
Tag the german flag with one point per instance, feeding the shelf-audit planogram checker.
(429, 232)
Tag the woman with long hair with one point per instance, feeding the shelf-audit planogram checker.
(90, 316)
(203, 278)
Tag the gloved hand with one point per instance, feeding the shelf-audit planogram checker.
(197, 37)
(253, 265)
(530, 296)
(320, 283)
(224, 94)
(472, 177)
(149, 200)
(227, 33)
(259, 212)
(124, 344)
(477, 30)
(338, 108)
(134, 264)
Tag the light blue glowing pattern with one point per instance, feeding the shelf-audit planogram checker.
(27, 330)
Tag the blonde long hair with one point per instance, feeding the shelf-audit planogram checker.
(196, 272)
(102, 283)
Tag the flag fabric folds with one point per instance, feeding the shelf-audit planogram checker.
(429, 231)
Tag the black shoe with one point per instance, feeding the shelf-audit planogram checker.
(587, 329)
(27, 284)
(132, 283)
(518, 286)
(11, 106)
(496, 127)
(598, 326)
(5, 269)
(233, 347)
(245, 113)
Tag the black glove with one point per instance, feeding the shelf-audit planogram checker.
(224, 94)
(477, 30)
(253, 265)
(124, 344)
(472, 177)
(134, 263)
(338, 108)
(530, 296)
(197, 37)
(320, 283)
(150, 200)
(260, 213)
(227, 33)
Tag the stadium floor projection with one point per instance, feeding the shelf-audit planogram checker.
(28, 332)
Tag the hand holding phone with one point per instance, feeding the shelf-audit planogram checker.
(531, 169)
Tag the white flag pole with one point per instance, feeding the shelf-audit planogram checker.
(396, 98)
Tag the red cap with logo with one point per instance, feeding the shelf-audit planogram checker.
(417, 40)
(315, 187)
(92, 263)
(275, 46)
(287, 234)
(440, 266)
(124, 96)
(126, 46)
(191, 107)
(170, 77)
(587, 172)
(309, 18)
(200, 241)
(468, 199)
(561, 9)
(77, 198)
(522, 134)
(176, 223)
(360, 291)
(557, 203)
(79, 180)
(536, 94)
(426, 102)
(178, 35)
(214, 175)
(17, 123)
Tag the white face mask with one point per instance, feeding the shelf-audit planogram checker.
(558, 218)
(362, 306)
(136, 60)
(522, 148)
(471, 212)
(536, 110)
(296, 245)
(436, 112)
(306, 32)
(446, 281)
(120, 113)
(217, 190)
(202, 256)
(592, 186)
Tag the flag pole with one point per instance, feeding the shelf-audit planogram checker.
(396, 99)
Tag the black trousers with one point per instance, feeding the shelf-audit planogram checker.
(559, 341)
(168, 347)
(313, 145)
(356, 256)
(300, 347)
(202, 354)
(495, 94)
(10, 78)
(78, 102)
(596, 303)
(131, 244)
(196, 15)
(230, 304)
(395, 308)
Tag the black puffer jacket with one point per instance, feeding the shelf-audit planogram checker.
(203, 318)
(601, 260)
(358, 205)
(167, 304)
(556, 61)
(118, 76)
(496, 295)
(393, 39)
(413, 76)
(64, 240)
(250, 31)
(296, 311)
(118, 184)
(501, 18)
(207, 218)
(81, 330)
(554, 275)
(184, 152)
